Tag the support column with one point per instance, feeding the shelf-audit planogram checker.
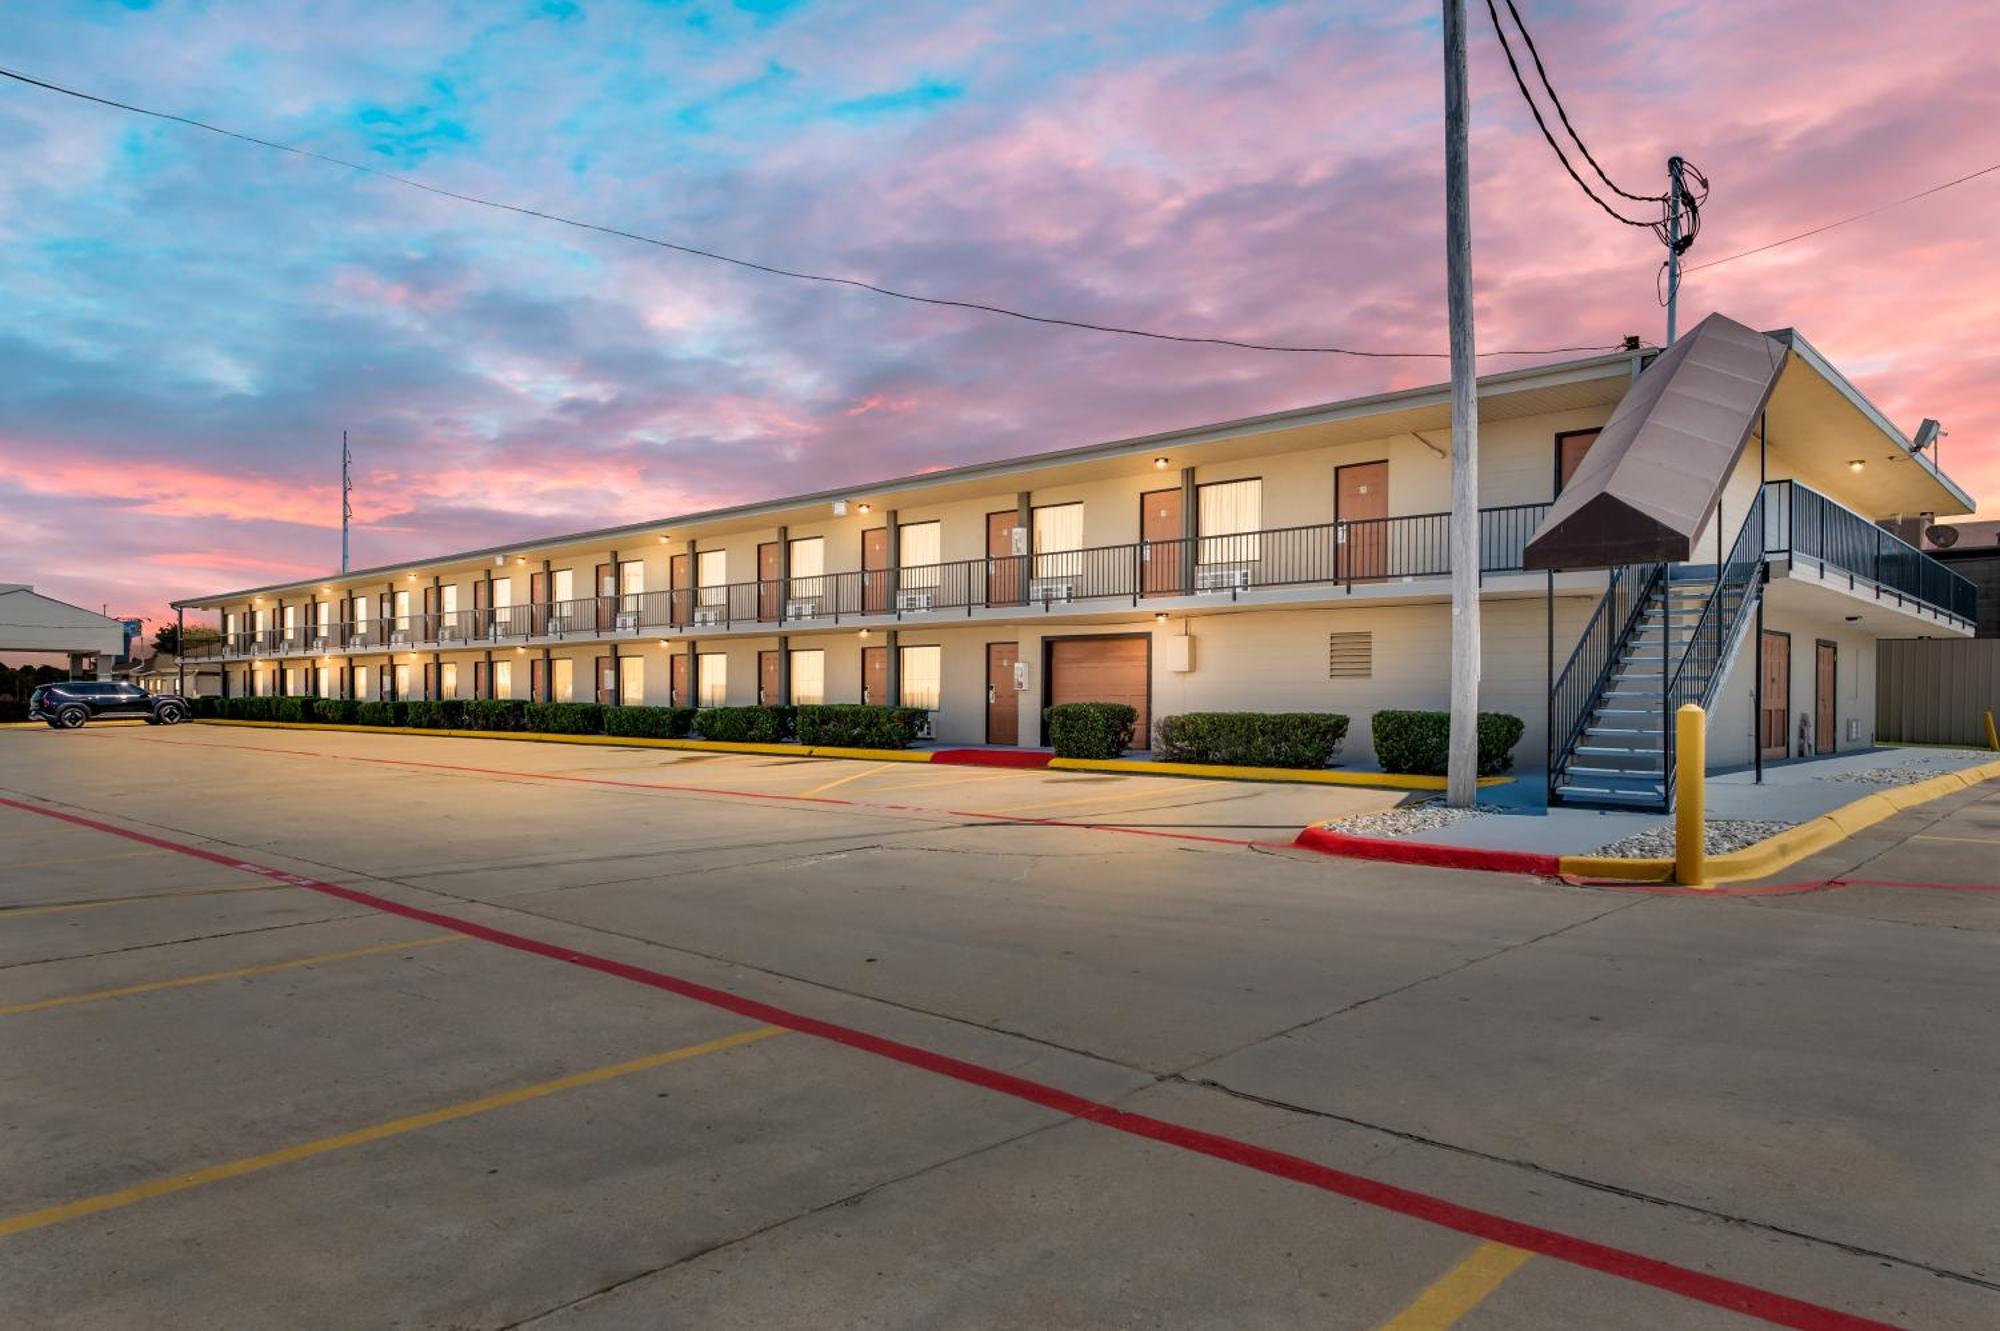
(617, 660)
(892, 537)
(1024, 518)
(1190, 528)
(784, 670)
(893, 686)
(180, 651)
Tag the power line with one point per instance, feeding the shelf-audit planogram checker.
(1879, 208)
(772, 269)
(1541, 72)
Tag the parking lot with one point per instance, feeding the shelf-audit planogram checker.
(310, 1028)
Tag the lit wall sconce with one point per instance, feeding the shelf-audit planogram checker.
(1856, 465)
(1160, 618)
(1159, 464)
(864, 633)
(866, 509)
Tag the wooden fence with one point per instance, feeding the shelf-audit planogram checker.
(1936, 690)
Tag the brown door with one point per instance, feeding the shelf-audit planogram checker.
(430, 624)
(1571, 445)
(482, 609)
(1161, 531)
(538, 680)
(1777, 695)
(480, 671)
(767, 679)
(1003, 701)
(607, 596)
(680, 579)
(1003, 567)
(1103, 670)
(767, 580)
(874, 565)
(679, 692)
(1825, 675)
(430, 680)
(1361, 505)
(607, 679)
(875, 676)
(385, 683)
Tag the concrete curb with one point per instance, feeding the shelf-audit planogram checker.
(1761, 860)
(943, 757)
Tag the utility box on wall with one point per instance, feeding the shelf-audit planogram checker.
(1176, 653)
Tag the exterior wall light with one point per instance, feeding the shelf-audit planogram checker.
(1160, 618)
(866, 509)
(1160, 464)
(864, 633)
(1856, 465)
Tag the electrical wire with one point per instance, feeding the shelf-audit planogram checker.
(773, 269)
(1879, 208)
(1541, 72)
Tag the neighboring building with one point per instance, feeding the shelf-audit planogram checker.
(162, 673)
(1295, 561)
(32, 622)
(1971, 550)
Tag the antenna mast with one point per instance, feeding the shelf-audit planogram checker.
(346, 497)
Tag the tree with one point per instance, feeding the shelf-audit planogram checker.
(168, 638)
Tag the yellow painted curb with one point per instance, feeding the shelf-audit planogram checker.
(1315, 777)
(1794, 843)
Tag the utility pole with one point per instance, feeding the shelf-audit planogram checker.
(1462, 769)
(346, 498)
(1673, 245)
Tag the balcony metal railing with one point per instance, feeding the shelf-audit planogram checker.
(1343, 555)
(1800, 523)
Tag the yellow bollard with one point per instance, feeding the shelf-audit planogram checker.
(1992, 737)
(1690, 778)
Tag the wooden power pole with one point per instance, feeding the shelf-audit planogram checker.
(1462, 772)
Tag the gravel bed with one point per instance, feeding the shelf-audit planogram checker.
(1410, 820)
(1906, 775)
(1721, 836)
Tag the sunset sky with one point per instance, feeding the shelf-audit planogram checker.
(187, 323)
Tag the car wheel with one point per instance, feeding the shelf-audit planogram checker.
(169, 714)
(72, 718)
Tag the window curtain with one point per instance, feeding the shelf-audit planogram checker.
(1231, 513)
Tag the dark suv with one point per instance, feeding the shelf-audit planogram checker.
(68, 705)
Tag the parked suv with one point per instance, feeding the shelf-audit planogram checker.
(68, 705)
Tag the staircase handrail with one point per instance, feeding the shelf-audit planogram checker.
(1596, 653)
(1743, 567)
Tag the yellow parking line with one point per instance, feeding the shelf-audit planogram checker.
(937, 780)
(1969, 840)
(1153, 790)
(1459, 1290)
(109, 1201)
(95, 903)
(839, 781)
(240, 972)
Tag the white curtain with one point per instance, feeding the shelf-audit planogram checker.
(808, 677)
(920, 549)
(923, 677)
(1231, 513)
(711, 572)
(1058, 535)
(713, 685)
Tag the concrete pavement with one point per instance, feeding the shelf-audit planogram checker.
(1769, 1090)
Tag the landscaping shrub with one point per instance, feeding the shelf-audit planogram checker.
(11, 710)
(649, 722)
(745, 725)
(858, 725)
(248, 709)
(399, 713)
(494, 714)
(1091, 729)
(288, 708)
(564, 718)
(337, 711)
(206, 707)
(437, 714)
(1250, 739)
(375, 714)
(1420, 742)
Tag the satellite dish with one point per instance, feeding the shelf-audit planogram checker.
(1943, 537)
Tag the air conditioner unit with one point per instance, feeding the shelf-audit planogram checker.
(628, 619)
(1221, 579)
(559, 624)
(447, 632)
(319, 644)
(707, 615)
(1047, 590)
(399, 638)
(913, 599)
(801, 609)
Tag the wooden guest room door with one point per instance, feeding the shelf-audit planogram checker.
(1360, 499)
(1003, 700)
(1160, 529)
(1775, 713)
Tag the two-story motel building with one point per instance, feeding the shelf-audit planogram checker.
(1694, 525)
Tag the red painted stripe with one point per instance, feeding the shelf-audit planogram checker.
(1779, 1309)
(992, 757)
(1329, 842)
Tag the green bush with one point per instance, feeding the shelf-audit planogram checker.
(564, 718)
(337, 711)
(858, 725)
(1250, 739)
(375, 714)
(1420, 742)
(248, 709)
(649, 722)
(206, 707)
(745, 725)
(494, 714)
(1091, 729)
(288, 708)
(437, 714)
(13, 710)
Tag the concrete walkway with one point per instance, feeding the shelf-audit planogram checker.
(1790, 792)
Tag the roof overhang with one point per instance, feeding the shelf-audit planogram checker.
(1646, 486)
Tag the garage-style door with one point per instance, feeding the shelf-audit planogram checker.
(1104, 670)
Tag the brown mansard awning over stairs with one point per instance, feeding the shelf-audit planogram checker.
(1649, 481)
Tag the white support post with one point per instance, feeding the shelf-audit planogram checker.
(1462, 770)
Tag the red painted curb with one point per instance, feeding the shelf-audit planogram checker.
(991, 757)
(1328, 842)
(1700, 1286)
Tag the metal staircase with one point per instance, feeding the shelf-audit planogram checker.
(1663, 635)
